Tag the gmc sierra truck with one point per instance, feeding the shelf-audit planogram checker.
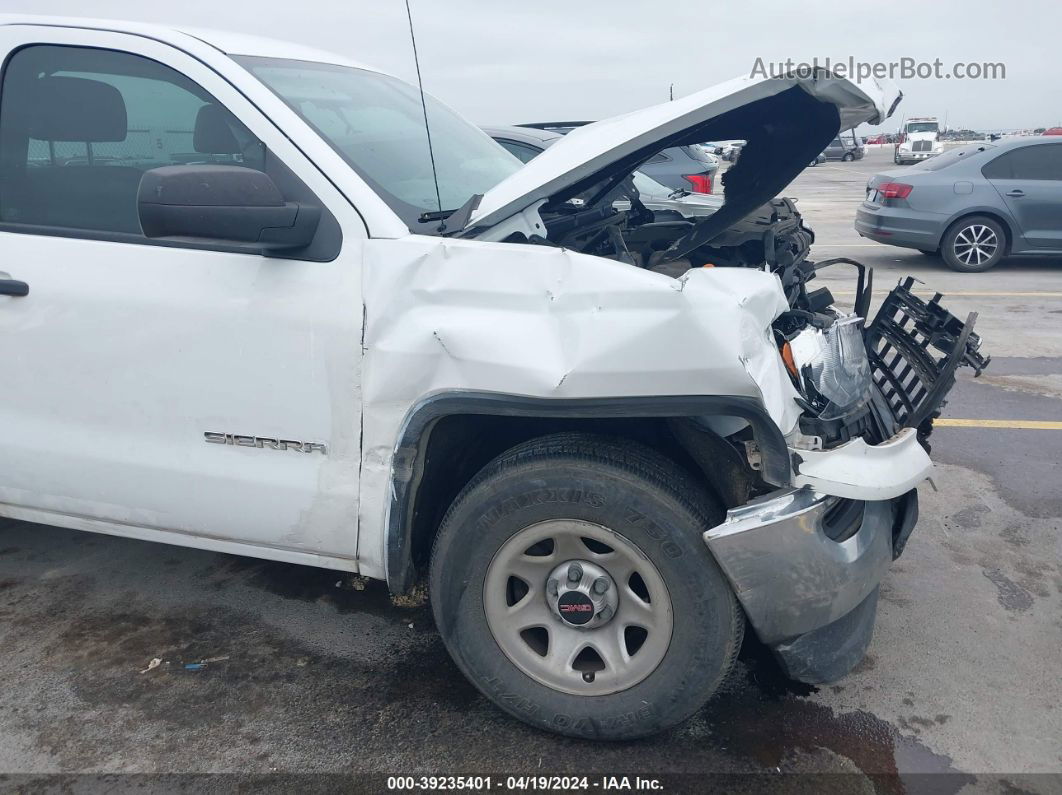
(248, 306)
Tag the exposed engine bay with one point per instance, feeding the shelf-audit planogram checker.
(858, 377)
(773, 235)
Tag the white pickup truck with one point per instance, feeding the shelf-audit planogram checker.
(240, 312)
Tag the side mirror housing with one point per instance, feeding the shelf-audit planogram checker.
(229, 206)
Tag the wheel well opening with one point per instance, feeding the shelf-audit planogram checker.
(460, 445)
(1008, 234)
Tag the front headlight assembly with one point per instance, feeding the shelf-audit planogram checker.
(833, 367)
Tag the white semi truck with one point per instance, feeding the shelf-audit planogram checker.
(918, 139)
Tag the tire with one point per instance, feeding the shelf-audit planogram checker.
(848, 157)
(651, 514)
(973, 244)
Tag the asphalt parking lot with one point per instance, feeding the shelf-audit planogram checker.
(299, 671)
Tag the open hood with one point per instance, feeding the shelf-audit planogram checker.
(786, 123)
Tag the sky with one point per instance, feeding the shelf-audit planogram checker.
(503, 62)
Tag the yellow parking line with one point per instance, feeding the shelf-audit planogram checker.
(1021, 425)
(979, 294)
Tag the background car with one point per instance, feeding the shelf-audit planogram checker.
(732, 151)
(723, 149)
(846, 148)
(974, 205)
(690, 168)
(526, 143)
(1052, 131)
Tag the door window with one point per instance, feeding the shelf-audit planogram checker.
(1035, 162)
(79, 126)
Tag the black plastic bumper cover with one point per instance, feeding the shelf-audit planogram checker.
(830, 652)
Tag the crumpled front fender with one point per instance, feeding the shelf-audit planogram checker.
(445, 316)
(545, 322)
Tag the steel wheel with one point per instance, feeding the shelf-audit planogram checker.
(577, 607)
(975, 245)
(642, 623)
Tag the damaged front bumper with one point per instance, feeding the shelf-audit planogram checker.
(879, 452)
(858, 470)
(806, 567)
(806, 562)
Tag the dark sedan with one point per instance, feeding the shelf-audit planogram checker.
(973, 205)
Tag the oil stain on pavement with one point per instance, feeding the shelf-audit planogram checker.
(269, 666)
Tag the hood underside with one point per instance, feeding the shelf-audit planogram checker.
(786, 123)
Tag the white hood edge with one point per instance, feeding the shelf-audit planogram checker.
(594, 147)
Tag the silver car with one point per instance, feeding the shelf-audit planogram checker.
(526, 143)
(973, 205)
(690, 168)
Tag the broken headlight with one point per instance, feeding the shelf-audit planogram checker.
(833, 367)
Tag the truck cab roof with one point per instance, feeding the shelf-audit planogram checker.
(224, 41)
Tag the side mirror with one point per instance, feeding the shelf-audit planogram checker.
(231, 206)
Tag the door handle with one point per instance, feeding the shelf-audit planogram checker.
(1017, 194)
(13, 287)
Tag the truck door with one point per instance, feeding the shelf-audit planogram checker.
(1029, 180)
(176, 391)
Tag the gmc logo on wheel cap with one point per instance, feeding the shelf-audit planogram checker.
(575, 607)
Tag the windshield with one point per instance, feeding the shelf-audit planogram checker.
(922, 126)
(951, 157)
(375, 122)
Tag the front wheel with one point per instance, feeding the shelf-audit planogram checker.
(571, 585)
(848, 157)
(973, 244)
